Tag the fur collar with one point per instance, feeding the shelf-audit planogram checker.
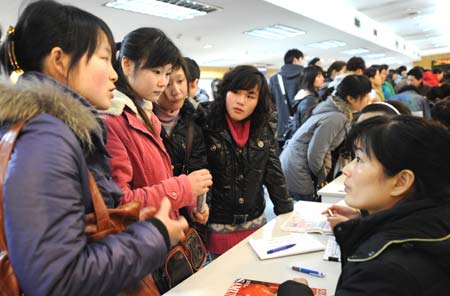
(37, 95)
(118, 104)
(343, 107)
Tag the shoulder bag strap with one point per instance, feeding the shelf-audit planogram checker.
(6, 146)
(283, 92)
(281, 83)
(104, 221)
(190, 139)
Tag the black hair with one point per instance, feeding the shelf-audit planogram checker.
(400, 69)
(391, 73)
(335, 66)
(390, 108)
(384, 67)
(193, 69)
(437, 70)
(313, 61)
(445, 88)
(147, 48)
(356, 86)
(435, 93)
(396, 142)
(214, 87)
(445, 79)
(381, 108)
(408, 87)
(417, 72)
(46, 24)
(243, 78)
(309, 76)
(291, 54)
(441, 113)
(401, 107)
(355, 63)
(372, 71)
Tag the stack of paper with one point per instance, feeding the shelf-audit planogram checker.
(304, 243)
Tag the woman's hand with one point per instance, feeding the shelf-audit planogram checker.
(301, 281)
(201, 217)
(200, 181)
(175, 228)
(337, 214)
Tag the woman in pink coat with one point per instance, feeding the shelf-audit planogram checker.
(140, 164)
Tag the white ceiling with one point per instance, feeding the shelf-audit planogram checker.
(423, 23)
(223, 29)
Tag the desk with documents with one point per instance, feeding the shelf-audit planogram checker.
(242, 262)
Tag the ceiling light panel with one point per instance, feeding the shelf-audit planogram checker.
(327, 44)
(275, 32)
(172, 9)
(374, 55)
(355, 51)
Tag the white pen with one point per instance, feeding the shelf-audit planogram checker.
(331, 213)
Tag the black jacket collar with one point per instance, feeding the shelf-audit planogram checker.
(424, 223)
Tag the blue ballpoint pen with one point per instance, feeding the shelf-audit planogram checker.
(282, 248)
(308, 271)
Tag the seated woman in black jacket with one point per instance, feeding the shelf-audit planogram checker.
(400, 176)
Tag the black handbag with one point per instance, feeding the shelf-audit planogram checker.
(182, 261)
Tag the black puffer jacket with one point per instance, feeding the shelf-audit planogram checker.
(238, 174)
(177, 142)
(401, 251)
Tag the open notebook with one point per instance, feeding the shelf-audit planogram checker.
(304, 243)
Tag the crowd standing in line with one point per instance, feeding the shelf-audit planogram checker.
(307, 160)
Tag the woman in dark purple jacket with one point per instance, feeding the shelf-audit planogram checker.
(66, 55)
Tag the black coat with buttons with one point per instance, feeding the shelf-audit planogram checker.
(403, 251)
(239, 174)
(176, 144)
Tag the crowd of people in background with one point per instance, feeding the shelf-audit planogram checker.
(131, 114)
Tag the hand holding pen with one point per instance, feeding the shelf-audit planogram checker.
(337, 214)
(344, 211)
